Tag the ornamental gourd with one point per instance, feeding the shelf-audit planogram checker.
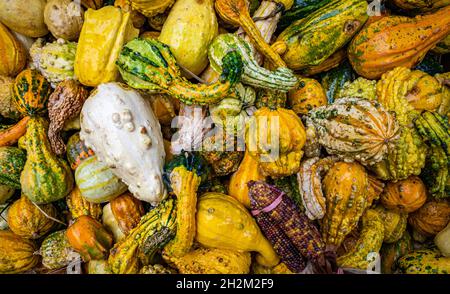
(424, 261)
(17, 254)
(224, 223)
(397, 41)
(103, 34)
(96, 181)
(149, 64)
(119, 125)
(79, 206)
(404, 196)
(308, 95)
(275, 138)
(442, 241)
(89, 238)
(128, 211)
(355, 129)
(188, 30)
(420, 6)
(64, 19)
(77, 151)
(431, 218)
(282, 79)
(31, 92)
(24, 16)
(394, 224)
(12, 162)
(45, 177)
(390, 253)
(150, 8)
(370, 240)
(13, 57)
(311, 40)
(28, 221)
(345, 188)
(56, 251)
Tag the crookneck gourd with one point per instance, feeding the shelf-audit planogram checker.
(397, 41)
(119, 125)
(16, 254)
(45, 177)
(155, 229)
(236, 12)
(27, 220)
(282, 79)
(311, 40)
(346, 192)
(355, 129)
(31, 92)
(103, 34)
(148, 64)
(275, 138)
(221, 220)
(370, 240)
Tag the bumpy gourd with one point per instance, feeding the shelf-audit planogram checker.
(359, 88)
(345, 188)
(12, 162)
(54, 60)
(370, 240)
(13, 57)
(424, 261)
(308, 95)
(355, 129)
(311, 40)
(153, 232)
(394, 224)
(397, 41)
(436, 172)
(435, 129)
(31, 92)
(103, 34)
(188, 30)
(148, 64)
(282, 79)
(96, 181)
(275, 138)
(16, 254)
(212, 261)
(224, 223)
(56, 251)
(45, 177)
(119, 125)
(28, 221)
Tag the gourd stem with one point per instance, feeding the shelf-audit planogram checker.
(252, 31)
(48, 216)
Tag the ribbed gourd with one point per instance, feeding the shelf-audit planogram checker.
(148, 64)
(79, 206)
(212, 261)
(31, 92)
(370, 240)
(282, 79)
(103, 34)
(355, 129)
(275, 138)
(221, 220)
(155, 229)
(16, 254)
(397, 41)
(45, 177)
(311, 40)
(346, 191)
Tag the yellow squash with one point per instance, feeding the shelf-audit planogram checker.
(188, 30)
(224, 223)
(103, 34)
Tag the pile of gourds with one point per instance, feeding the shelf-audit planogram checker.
(313, 137)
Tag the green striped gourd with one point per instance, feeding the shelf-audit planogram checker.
(282, 79)
(97, 182)
(155, 229)
(311, 40)
(149, 64)
(45, 177)
(12, 161)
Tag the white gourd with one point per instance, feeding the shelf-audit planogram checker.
(120, 126)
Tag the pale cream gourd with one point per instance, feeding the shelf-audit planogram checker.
(119, 125)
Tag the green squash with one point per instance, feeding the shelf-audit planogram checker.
(393, 251)
(45, 178)
(425, 261)
(56, 251)
(96, 181)
(311, 40)
(12, 162)
(300, 9)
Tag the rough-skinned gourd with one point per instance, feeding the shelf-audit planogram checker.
(103, 34)
(119, 125)
(149, 64)
(45, 177)
(56, 251)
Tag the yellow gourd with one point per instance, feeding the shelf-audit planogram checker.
(224, 223)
